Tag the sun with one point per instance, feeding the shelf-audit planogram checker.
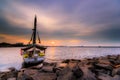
(52, 42)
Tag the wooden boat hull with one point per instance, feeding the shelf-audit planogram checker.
(32, 62)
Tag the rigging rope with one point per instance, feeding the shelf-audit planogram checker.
(31, 38)
(38, 37)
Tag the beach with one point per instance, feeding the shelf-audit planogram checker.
(97, 68)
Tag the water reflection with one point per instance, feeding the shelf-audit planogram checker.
(10, 57)
(50, 53)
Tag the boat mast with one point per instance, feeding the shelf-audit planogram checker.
(34, 30)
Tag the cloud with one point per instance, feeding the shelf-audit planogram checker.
(111, 34)
(89, 21)
(6, 28)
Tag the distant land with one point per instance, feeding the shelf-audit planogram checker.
(5, 44)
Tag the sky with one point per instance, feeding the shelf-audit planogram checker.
(61, 22)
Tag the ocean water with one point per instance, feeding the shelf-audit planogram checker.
(10, 57)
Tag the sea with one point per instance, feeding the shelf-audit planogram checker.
(11, 57)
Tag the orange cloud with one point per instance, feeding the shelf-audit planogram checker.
(12, 39)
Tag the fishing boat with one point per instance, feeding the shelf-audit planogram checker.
(33, 54)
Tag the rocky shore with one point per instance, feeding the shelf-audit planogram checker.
(97, 68)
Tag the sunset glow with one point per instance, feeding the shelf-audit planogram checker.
(61, 22)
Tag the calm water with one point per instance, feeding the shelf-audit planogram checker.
(10, 57)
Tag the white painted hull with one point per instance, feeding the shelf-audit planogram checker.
(34, 60)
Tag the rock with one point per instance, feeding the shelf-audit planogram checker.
(104, 77)
(49, 64)
(61, 65)
(24, 75)
(44, 76)
(66, 61)
(12, 69)
(116, 77)
(68, 76)
(72, 64)
(87, 74)
(65, 74)
(3, 76)
(107, 68)
(111, 57)
(11, 79)
(47, 69)
(13, 72)
(20, 75)
(104, 61)
(34, 74)
(116, 71)
(37, 67)
(77, 72)
(63, 71)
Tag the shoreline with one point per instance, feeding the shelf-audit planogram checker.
(97, 68)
